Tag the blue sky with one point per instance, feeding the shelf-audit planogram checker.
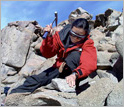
(43, 11)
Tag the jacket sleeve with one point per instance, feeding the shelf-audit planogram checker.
(49, 46)
(88, 60)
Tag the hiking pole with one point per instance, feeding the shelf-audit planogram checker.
(55, 20)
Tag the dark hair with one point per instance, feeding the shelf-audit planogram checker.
(81, 23)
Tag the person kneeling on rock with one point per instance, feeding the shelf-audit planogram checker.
(76, 56)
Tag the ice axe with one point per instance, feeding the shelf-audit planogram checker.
(55, 20)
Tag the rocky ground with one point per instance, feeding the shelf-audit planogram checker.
(20, 43)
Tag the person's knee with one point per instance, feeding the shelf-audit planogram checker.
(73, 57)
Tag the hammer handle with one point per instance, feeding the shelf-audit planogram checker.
(45, 35)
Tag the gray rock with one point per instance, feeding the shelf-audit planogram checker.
(119, 47)
(103, 66)
(15, 45)
(32, 65)
(91, 24)
(15, 99)
(100, 20)
(22, 24)
(103, 58)
(16, 39)
(11, 73)
(111, 42)
(37, 47)
(31, 53)
(79, 13)
(41, 101)
(34, 37)
(108, 12)
(112, 19)
(13, 24)
(63, 99)
(96, 94)
(103, 41)
(49, 86)
(106, 47)
(86, 83)
(121, 19)
(3, 96)
(96, 36)
(2, 90)
(5, 70)
(42, 97)
(118, 33)
(39, 40)
(61, 85)
(63, 23)
(107, 74)
(48, 63)
(101, 29)
(10, 79)
(115, 98)
(112, 49)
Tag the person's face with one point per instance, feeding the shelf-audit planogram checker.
(78, 31)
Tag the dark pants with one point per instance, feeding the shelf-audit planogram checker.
(35, 81)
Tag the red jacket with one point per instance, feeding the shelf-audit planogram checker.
(55, 45)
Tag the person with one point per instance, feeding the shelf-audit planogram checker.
(76, 56)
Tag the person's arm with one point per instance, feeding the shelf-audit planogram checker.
(49, 46)
(88, 63)
(88, 60)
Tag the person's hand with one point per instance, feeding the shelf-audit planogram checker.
(48, 29)
(71, 80)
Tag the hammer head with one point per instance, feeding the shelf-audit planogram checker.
(56, 17)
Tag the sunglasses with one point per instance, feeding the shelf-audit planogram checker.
(77, 35)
